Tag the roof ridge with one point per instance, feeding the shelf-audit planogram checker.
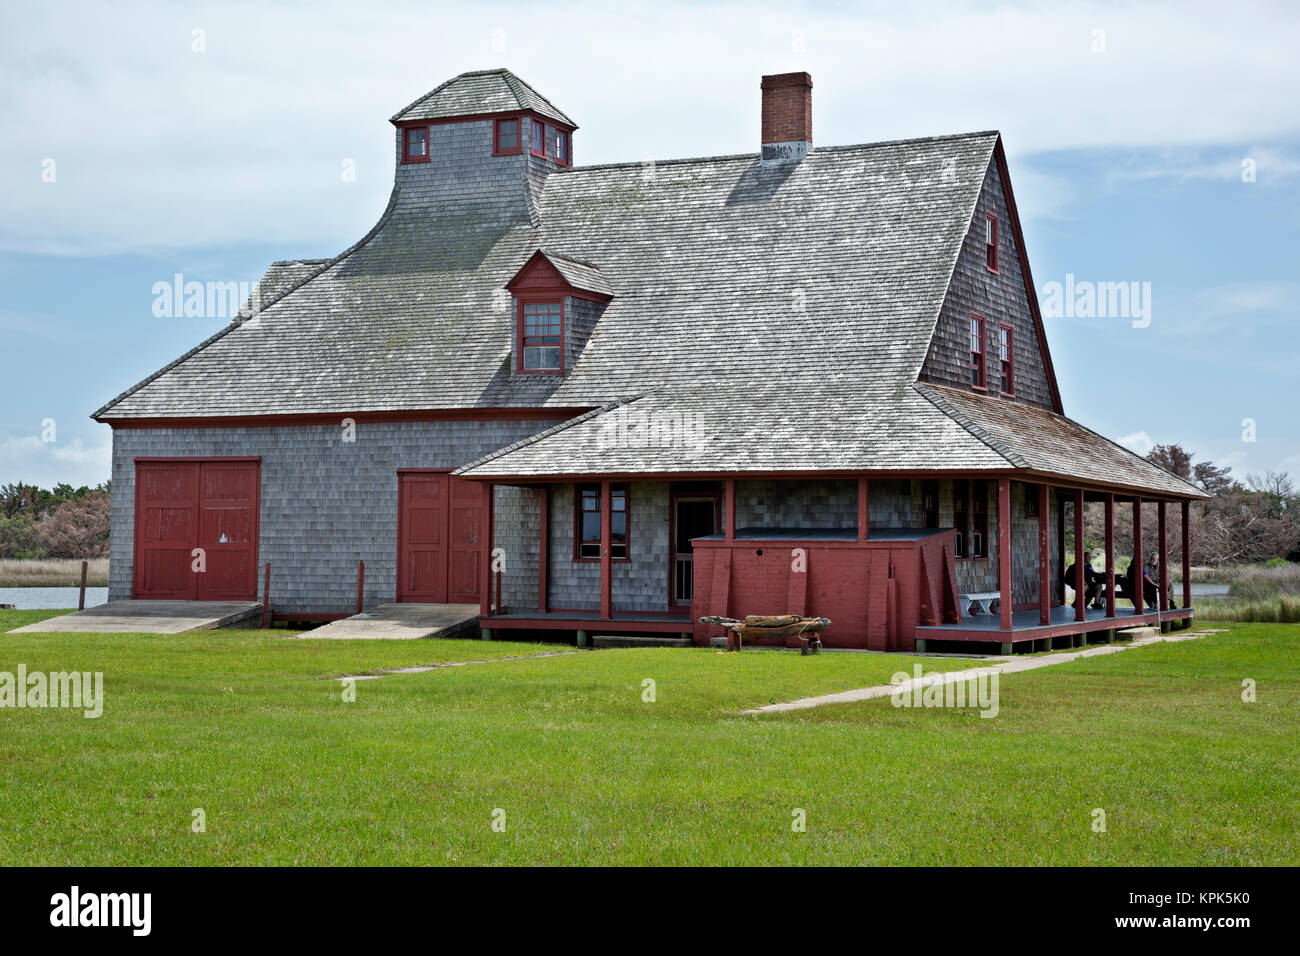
(568, 170)
(235, 323)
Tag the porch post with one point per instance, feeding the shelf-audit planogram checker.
(543, 548)
(1080, 589)
(1044, 558)
(1187, 557)
(729, 510)
(864, 509)
(485, 556)
(1137, 554)
(1110, 554)
(606, 575)
(1163, 527)
(1004, 552)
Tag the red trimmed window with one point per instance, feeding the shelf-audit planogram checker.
(505, 138)
(1007, 361)
(539, 138)
(587, 523)
(541, 336)
(415, 144)
(961, 517)
(979, 532)
(991, 242)
(562, 148)
(977, 368)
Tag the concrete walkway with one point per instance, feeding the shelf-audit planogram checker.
(149, 617)
(423, 668)
(1004, 665)
(402, 622)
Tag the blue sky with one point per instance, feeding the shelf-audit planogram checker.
(211, 153)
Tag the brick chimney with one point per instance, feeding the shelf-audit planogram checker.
(787, 117)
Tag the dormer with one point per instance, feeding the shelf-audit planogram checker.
(556, 302)
(481, 124)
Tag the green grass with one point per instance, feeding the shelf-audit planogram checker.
(240, 724)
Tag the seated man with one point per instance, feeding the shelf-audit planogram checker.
(1094, 583)
(1151, 583)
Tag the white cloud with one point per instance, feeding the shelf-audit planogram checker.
(157, 146)
(1138, 442)
(27, 459)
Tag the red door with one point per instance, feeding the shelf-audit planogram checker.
(438, 538)
(186, 505)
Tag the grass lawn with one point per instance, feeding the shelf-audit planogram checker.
(241, 725)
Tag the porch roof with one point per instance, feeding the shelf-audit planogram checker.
(801, 425)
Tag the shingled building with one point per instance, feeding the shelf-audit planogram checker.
(618, 398)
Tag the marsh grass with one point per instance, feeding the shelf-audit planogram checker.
(51, 573)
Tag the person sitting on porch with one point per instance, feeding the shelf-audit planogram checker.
(1094, 583)
(1151, 583)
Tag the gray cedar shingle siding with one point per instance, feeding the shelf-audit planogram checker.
(1000, 297)
(325, 503)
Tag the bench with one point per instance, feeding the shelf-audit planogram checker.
(980, 599)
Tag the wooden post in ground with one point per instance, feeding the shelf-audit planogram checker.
(543, 545)
(1080, 556)
(266, 597)
(1004, 553)
(485, 575)
(729, 510)
(864, 509)
(1163, 532)
(81, 601)
(361, 585)
(1044, 560)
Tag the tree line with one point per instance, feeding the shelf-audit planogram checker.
(60, 522)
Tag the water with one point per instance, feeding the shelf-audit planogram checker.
(1207, 590)
(44, 599)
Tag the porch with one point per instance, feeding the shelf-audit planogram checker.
(1027, 625)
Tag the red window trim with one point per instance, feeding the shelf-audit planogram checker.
(562, 135)
(991, 248)
(577, 520)
(983, 353)
(979, 491)
(406, 145)
(534, 139)
(1011, 360)
(538, 299)
(519, 136)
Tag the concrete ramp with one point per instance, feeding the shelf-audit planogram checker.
(403, 622)
(151, 617)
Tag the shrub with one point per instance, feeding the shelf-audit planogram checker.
(78, 529)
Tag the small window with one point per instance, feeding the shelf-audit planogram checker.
(539, 138)
(562, 147)
(1007, 361)
(507, 137)
(961, 517)
(541, 335)
(977, 351)
(979, 535)
(588, 523)
(991, 242)
(415, 144)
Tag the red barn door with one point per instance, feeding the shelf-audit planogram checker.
(181, 506)
(439, 538)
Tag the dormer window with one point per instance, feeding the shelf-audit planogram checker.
(541, 336)
(506, 138)
(539, 138)
(415, 144)
(562, 145)
(991, 242)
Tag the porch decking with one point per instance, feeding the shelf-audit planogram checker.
(1026, 626)
(590, 621)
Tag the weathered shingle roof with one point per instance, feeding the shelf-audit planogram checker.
(479, 92)
(579, 274)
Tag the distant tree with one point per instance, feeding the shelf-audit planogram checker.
(78, 529)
